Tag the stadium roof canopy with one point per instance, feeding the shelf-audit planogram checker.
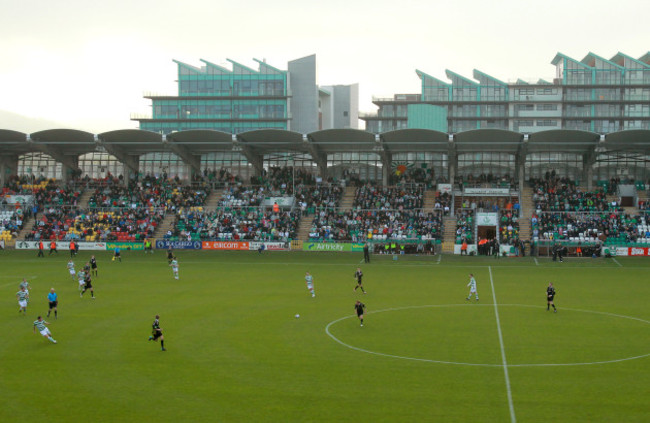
(128, 144)
(632, 141)
(563, 140)
(415, 140)
(488, 140)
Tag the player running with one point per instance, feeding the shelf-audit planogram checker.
(170, 255)
(71, 269)
(174, 266)
(358, 275)
(157, 333)
(359, 307)
(88, 286)
(23, 299)
(472, 287)
(309, 279)
(117, 255)
(81, 277)
(39, 324)
(53, 300)
(550, 295)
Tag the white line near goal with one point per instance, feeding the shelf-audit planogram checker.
(511, 406)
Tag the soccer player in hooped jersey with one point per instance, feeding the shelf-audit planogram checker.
(309, 280)
(23, 298)
(472, 287)
(174, 265)
(81, 276)
(39, 324)
(71, 269)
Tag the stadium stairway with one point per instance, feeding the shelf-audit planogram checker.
(348, 198)
(304, 228)
(429, 199)
(212, 200)
(449, 234)
(526, 204)
(82, 203)
(27, 228)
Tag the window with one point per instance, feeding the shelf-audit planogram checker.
(345, 113)
(524, 107)
(547, 107)
(546, 123)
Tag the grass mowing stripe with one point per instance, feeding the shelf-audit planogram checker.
(511, 406)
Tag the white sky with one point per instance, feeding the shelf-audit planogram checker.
(86, 64)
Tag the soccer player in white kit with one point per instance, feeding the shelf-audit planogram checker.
(174, 265)
(81, 277)
(71, 269)
(472, 287)
(310, 283)
(39, 324)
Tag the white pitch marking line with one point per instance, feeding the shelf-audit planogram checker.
(536, 262)
(513, 418)
(619, 264)
(439, 258)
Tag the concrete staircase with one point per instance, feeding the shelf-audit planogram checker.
(304, 228)
(429, 199)
(527, 206)
(82, 202)
(449, 234)
(348, 198)
(166, 225)
(28, 224)
(212, 200)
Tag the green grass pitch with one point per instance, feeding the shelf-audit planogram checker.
(236, 353)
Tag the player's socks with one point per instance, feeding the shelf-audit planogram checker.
(51, 339)
(162, 345)
(56, 314)
(48, 314)
(548, 307)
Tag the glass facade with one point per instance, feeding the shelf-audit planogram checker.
(592, 94)
(213, 97)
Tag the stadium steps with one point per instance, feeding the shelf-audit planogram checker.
(27, 228)
(348, 198)
(82, 203)
(525, 230)
(212, 200)
(449, 234)
(429, 199)
(166, 225)
(526, 204)
(304, 228)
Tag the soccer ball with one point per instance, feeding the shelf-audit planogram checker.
(297, 316)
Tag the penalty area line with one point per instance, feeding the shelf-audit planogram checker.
(511, 406)
(616, 261)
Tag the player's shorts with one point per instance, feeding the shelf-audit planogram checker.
(72, 272)
(93, 266)
(22, 303)
(310, 286)
(359, 313)
(45, 332)
(89, 285)
(81, 282)
(157, 334)
(472, 291)
(550, 297)
(53, 304)
(118, 254)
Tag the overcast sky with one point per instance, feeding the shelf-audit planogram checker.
(86, 64)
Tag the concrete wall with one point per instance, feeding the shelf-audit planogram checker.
(303, 104)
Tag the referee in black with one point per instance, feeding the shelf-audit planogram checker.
(366, 253)
(550, 295)
(359, 307)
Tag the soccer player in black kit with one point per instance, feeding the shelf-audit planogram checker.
(93, 265)
(550, 294)
(170, 255)
(358, 275)
(89, 286)
(359, 307)
(156, 333)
